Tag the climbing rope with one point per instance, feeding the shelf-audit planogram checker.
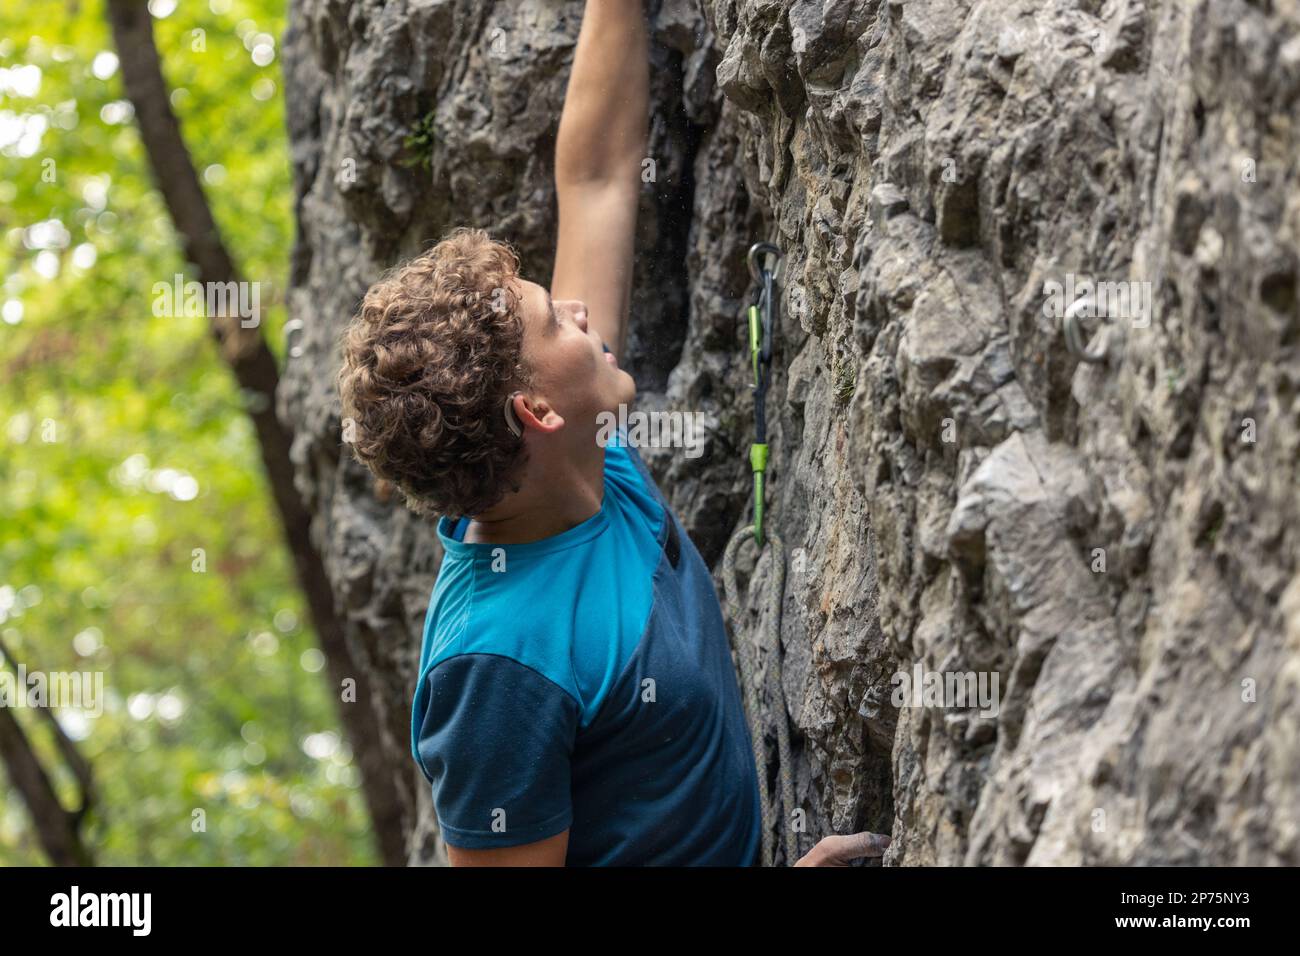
(748, 653)
(767, 647)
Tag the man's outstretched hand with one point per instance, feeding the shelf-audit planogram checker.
(839, 850)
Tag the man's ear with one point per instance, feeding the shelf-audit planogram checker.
(534, 412)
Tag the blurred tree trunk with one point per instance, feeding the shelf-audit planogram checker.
(57, 829)
(246, 352)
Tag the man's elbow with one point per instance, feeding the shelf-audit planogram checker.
(600, 178)
(628, 164)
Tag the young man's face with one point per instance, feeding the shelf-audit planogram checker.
(571, 371)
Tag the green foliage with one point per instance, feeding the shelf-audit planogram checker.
(846, 381)
(138, 539)
(420, 142)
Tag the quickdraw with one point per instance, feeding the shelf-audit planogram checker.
(762, 326)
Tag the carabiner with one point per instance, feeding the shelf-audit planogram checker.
(762, 248)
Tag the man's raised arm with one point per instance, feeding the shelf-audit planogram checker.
(598, 155)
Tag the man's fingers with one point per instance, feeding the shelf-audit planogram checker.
(854, 846)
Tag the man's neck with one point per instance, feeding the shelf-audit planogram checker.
(557, 494)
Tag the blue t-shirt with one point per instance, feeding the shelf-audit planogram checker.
(585, 682)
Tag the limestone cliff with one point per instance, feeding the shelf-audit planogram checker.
(1115, 542)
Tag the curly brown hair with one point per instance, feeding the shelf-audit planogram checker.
(428, 361)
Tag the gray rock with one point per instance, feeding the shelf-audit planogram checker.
(1116, 543)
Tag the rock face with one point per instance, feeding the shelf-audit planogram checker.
(1113, 543)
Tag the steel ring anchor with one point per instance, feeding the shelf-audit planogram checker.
(293, 330)
(1074, 342)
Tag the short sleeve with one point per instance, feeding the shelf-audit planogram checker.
(496, 740)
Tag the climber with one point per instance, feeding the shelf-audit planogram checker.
(576, 701)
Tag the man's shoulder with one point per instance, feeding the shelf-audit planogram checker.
(474, 670)
(506, 635)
